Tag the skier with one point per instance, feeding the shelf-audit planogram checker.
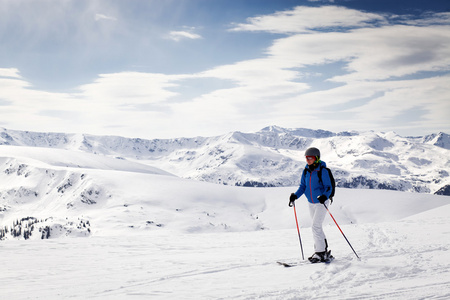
(317, 191)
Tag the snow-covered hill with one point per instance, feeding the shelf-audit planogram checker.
(274, 156)
(81, 218)
(52, 192)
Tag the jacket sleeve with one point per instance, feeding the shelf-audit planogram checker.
(326, 183)
(302, 187)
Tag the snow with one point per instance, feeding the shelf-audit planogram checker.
(403, 259)
(121, 229)
(75, 159)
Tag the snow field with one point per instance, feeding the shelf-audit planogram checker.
(154, 236)
(405, 259)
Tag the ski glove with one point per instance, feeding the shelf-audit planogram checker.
(292, 198)
(322, 199)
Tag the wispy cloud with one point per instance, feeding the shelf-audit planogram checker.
(99, 17)
(130, 89)
(303, 19)
(325, 1)
(181, 35)
(429, 19)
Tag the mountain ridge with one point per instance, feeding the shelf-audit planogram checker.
(273, 156)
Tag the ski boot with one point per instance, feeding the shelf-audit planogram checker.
(324, 257)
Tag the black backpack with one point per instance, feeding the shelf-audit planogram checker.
(333, 182)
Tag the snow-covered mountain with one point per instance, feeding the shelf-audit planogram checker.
(140, 218)
(49, 192)
(140, 221)
(274, 156)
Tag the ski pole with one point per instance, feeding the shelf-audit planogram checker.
(341, 232)
(298, 230)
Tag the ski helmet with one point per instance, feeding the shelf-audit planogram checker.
(312, 152)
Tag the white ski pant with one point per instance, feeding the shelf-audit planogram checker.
(318, 213)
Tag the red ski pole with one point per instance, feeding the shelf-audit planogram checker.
(298, 230)
(342, 232)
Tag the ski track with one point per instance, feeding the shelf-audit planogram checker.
(394, 264)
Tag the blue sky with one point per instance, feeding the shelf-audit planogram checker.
(173, 68)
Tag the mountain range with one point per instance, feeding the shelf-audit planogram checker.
(272, 157)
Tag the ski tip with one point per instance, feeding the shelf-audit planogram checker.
(286, 265)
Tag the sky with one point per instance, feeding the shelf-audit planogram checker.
(185, 68)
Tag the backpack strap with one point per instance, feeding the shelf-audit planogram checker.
(319, 172)
(321, 181)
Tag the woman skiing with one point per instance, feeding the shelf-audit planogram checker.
(317, 190)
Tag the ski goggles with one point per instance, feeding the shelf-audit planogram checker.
(310, 158)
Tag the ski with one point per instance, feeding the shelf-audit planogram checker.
(294, 264)
(328, 260)
(287, 265)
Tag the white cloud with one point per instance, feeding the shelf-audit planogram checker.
(180, 35)
(370, 53)
(428, 19)
(11, 72)
(130, 88)
(304, 19)
(365, 105)
(121, 100)
(372, 84)
(428, 95)
(25, 106)
(99, 17)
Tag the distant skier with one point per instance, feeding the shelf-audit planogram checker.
(317, 191)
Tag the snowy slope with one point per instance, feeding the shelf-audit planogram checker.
(274, 156)
(61, 190)
(109, 228)
(405, 259)
(74, 159)
(402, 258)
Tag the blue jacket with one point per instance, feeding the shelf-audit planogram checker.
(311, 186)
